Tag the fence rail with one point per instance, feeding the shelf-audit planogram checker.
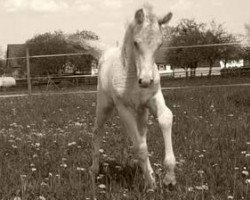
(55, 80)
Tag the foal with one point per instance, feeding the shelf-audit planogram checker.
(129, 80)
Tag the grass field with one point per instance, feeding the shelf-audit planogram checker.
(46, 141)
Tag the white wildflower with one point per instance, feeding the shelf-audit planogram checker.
(102, 186)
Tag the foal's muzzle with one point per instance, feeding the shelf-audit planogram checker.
(144, 83)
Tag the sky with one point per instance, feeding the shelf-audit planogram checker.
(22, 19)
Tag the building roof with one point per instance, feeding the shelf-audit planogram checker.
(15, 50)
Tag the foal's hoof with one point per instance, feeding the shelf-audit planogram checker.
(170, 187)
(169, 182)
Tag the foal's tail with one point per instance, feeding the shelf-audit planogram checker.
(93, 47)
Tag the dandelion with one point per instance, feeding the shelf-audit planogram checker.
(104, 155)
(102, 186)
(200, 172)
(236, 168)
(202, 187)
(118, 167)
(50, 174)
(37, 144)
(248, 143)
(245, 173)
(64, 165)
(43, 184)
(190, 189)
(42, 198)
(100, 176)
(243, 152)
(71, 144)
(247, 155)
(14, 146)
(64, 159)
(80, 169)
(247, 181)
(35, 156)
(157, 164)
(101, 150)
(17, 198)
(33, 169)
(230, 197)
(198, 187)
(150, 122)
(78, 124)
(201, 156)
(158, 171)
(23, 176)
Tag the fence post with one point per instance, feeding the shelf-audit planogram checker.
(28, 70)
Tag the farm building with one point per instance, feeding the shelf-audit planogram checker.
(13, 66)
(160, 60)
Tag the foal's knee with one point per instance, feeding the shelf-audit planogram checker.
(142, 152)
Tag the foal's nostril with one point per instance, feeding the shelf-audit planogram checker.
(140, 81)
(151, 81)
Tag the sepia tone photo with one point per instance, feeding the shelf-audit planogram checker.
(124, 99)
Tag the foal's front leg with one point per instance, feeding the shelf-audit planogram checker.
(165, 118)
(135, 123)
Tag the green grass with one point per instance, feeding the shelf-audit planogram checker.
(46, 141)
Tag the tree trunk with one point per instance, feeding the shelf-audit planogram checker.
(186, 71)
(210, 69)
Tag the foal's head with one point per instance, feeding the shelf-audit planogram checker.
(147, 38)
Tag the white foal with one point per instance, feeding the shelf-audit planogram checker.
(129, 80)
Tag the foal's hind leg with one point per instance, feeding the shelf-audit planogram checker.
(103, 110)
(165, 118)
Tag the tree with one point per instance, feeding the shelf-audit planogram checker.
(81, 63)
(247, 48)
(187, 32)
(57, 43)
(45, 44)
(2, 66)
(230, 52)
(2, 62)
(216, 34)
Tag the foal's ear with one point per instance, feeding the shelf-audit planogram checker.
(139, 16)
(165, 19)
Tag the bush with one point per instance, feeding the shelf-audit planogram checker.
(235, 72)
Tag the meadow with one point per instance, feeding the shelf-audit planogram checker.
(46, 148)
